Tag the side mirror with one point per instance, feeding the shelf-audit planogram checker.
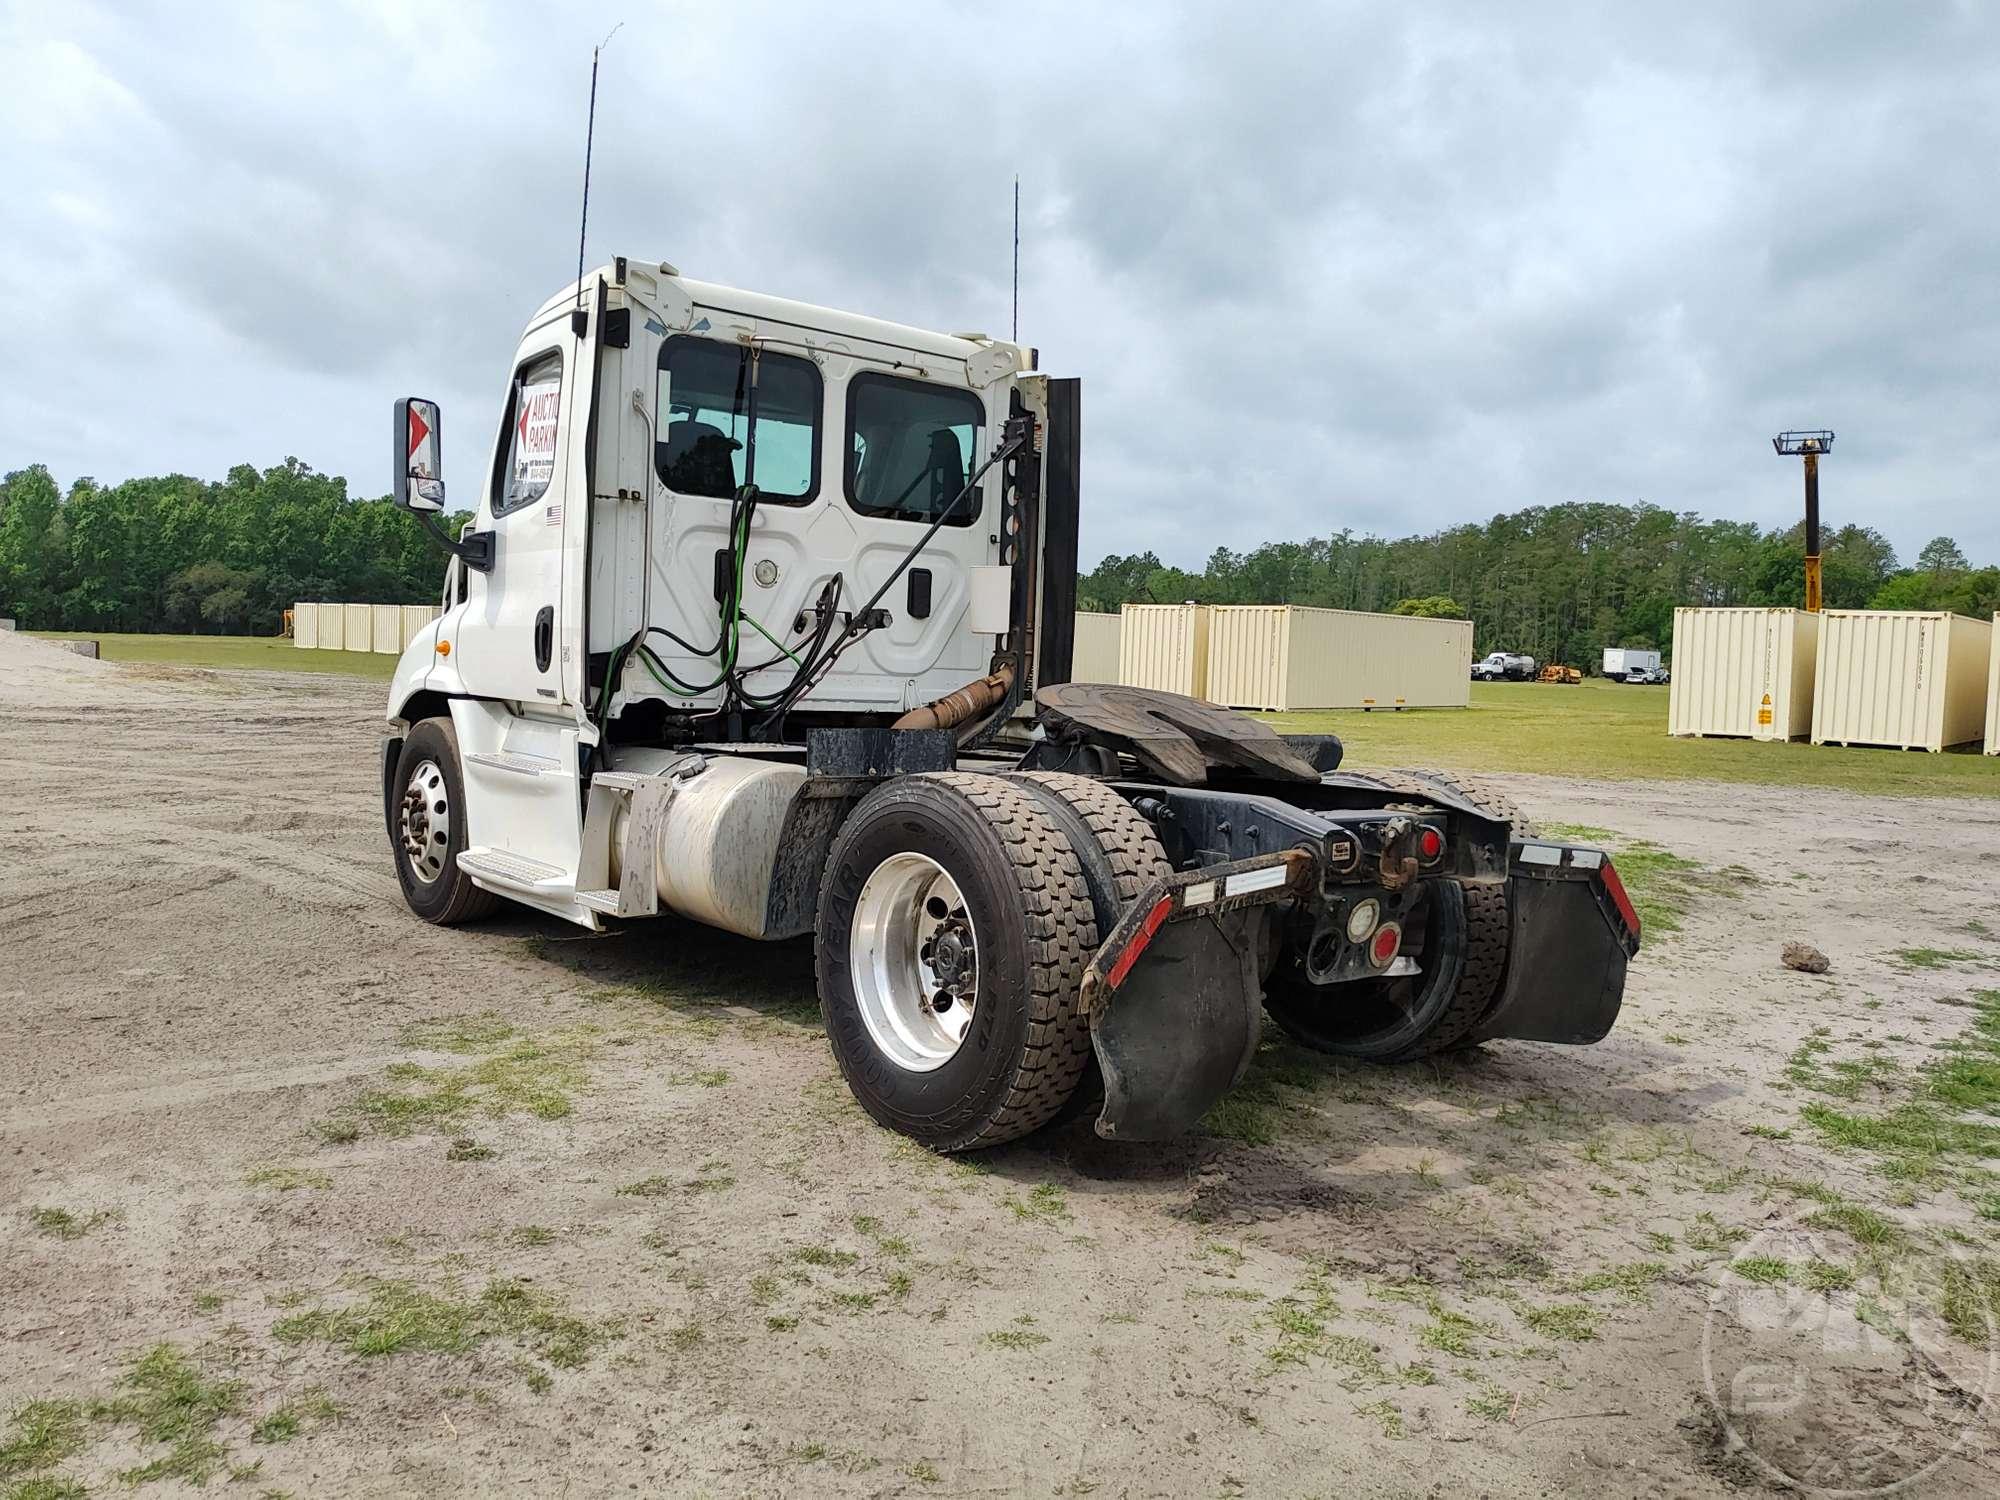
(418, 469)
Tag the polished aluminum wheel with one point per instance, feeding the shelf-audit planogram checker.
(914, 958)
(424, 828)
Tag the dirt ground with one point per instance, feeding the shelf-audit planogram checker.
(300, 1193)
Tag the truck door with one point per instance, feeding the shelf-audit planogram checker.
(908, 447)
(511, 647)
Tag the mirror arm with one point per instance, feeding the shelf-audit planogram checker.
(474, 549)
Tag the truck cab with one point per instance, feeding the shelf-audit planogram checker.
(616, 586)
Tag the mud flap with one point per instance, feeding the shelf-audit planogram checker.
(1565, 963)
(1182, 1027)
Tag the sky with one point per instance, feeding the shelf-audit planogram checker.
(1386, 268)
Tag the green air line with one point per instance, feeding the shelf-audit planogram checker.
(772, 639)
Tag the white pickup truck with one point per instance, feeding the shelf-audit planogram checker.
(1500, 666)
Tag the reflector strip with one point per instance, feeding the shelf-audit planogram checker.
(1541, 854)
(1199, 894)
(1586, 859)
(1619, 899)
(1155, 920)
(1254, 880)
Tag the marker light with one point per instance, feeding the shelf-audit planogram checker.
(1361, 921)
(1430, 844)
(1388, 939)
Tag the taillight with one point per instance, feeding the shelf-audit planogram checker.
(1387, 941)
(1430, 844)
(1155, 919)
(1616, 889)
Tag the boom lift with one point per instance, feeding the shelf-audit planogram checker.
(764, 620)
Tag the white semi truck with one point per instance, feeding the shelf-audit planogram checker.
(763, 620)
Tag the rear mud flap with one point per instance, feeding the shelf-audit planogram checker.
(1182, 1027)
(1565, 964)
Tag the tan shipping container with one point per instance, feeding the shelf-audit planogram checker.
(415, 617)
(1913, 680)
(332, 626)
(1993, 695)
(360, 622)
(1164, 646)
(305, 626)
(1290, 656)
(385, 625)
(1095, 655)
(1747, 673)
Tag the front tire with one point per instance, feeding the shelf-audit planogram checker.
(954, 927)
(427, 829)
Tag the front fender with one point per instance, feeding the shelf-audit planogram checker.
(421, 669)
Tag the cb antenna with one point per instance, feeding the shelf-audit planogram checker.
(1016, 335)
(576, 318)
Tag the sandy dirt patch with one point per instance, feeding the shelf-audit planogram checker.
(389, 1209)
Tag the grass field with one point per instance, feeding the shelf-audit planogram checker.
(1607, 731)
(258, 653)
(1611, 731)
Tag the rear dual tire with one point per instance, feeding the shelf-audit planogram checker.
(1463, 961)
(1015, 906)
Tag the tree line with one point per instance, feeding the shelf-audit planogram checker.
(215, 558)
(1560, 582)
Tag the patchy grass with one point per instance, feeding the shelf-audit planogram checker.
(1275, 1090)
(1571, 1322)
(394, 1317)
(824, 1256)
(47, 1487)
(1937, 958)
(41, 1435)
(1825, 1276)
(1016, 1338)
(1766, 1269)
(283, 1423)
(1633, 1282)
(1387, 1413)
(1861, 1224)
(1045, 1204)
(288, 1179)
(1945, 1113)
(173, 1400)
(513, 1074)
(63, 1224)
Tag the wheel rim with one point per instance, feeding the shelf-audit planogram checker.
(424, 825)
(914, 959)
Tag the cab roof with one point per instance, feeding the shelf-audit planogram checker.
(761, 306)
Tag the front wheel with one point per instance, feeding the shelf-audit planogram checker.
(954, 926)
(427, 827)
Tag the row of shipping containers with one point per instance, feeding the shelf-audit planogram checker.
(1912, 680)
(384, 628)
(1287, 656)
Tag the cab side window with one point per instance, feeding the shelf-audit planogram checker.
(911, 447)
(527, 458)
(704, 404)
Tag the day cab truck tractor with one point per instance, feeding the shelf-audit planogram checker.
(763, 620)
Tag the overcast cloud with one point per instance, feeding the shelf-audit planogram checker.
(1387, 267)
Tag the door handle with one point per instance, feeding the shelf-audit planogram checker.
(545, 636)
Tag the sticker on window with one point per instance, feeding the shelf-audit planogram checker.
(535, 435)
